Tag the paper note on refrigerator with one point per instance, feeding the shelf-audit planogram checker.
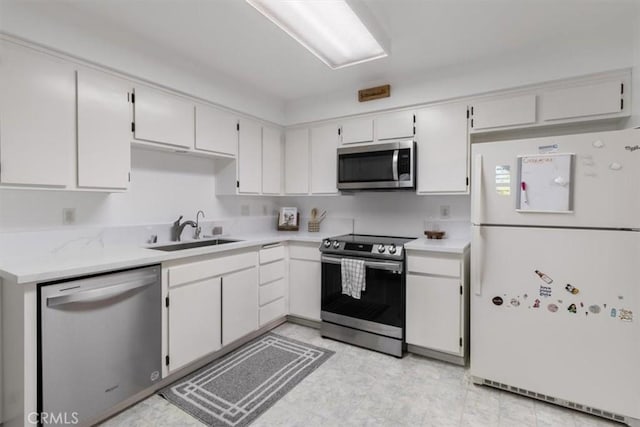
(545, 183)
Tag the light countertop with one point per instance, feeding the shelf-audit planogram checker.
(21, 268)
(453, 246)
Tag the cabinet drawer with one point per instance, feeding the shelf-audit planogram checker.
(272, 311)
(272, 291)
(210, 268)
(440, 265)
(307, 252)
(271, 254)
(271, 272)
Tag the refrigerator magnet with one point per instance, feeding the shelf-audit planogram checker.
(572, 309)
(626, 315)
(545, 291)
(595, 309)
(536, 303)
(572, 289)
(548, 280)
(552, 308)
(515, 302)
(613, 312)
(497, 300)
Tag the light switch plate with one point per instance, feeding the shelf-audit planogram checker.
(445, 211)
(68, 216)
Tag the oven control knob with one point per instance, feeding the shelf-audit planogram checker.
(392, 249)
(327, 243)
(336, 244)
(381, 248)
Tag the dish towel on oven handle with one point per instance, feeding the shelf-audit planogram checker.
(353, 277)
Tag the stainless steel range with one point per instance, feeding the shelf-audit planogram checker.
(375, 318)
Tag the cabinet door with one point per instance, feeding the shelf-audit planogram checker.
(516, 111)
(38, 128)
(433, 313)
(104, 131)
(249, 157)
(324, 164)
(296, 161)
(239, 304)
(394, 125)
(194, 321)
(304, 288)
(442, 149)
(163, 118)
(357, 130)
(583, 101)
(216, 130)
(271, 161)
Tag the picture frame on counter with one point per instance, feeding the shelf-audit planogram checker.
(288, 219)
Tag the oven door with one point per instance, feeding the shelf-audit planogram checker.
(379, 310)
(376, 166)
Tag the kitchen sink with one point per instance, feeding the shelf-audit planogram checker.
(191, 245)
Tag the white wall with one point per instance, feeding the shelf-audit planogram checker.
(163, 187)
(546, 63)
(389, 213)
(41, 23)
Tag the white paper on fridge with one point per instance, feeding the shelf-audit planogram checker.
(545, 183)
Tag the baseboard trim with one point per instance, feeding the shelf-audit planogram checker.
(304, 321)
(435, 354)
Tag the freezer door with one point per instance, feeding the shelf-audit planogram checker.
(556, 312)
(600, 189)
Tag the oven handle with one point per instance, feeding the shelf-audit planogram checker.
(395, 165)
(377, 265)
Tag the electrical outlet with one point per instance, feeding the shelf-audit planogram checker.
(68, 216)
(445, 211)
(264, 210)
(244, 210)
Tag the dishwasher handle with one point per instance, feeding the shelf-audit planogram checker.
(104, 292)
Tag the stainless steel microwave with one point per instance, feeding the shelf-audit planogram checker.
(389, 165)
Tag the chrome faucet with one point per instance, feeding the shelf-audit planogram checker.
(198, 230)
(177, 228)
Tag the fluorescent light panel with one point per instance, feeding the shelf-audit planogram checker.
(329, 29)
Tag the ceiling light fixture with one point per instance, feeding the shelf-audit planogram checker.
(330, 29)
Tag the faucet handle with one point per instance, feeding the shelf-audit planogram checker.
(177, 222)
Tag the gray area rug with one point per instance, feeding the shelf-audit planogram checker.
(236, 389)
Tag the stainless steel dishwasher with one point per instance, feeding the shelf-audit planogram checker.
(100, 342)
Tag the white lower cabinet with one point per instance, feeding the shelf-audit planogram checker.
(211, 301)
(304, 281)
(194, 321)
(239, 304)
(437, 304)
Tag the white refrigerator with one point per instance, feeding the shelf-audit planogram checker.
(555, 270)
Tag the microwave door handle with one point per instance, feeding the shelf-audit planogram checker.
(395, 164)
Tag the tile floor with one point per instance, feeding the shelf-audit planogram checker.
(358, 387)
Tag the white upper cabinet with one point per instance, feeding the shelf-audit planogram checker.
(296, 161)
(271, 161)
(104, 133)
(357, 130)
(250, 157)
(594, 99)
(394, 125)
(163, 118)
(324, 158)
(38, 129)
(442, 149)
(514, 111)
(216, 130)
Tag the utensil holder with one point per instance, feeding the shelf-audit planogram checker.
(314, 226)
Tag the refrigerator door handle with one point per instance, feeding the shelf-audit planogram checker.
(477, 192)
(477, 260)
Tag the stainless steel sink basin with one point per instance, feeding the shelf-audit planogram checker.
(191, 245)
